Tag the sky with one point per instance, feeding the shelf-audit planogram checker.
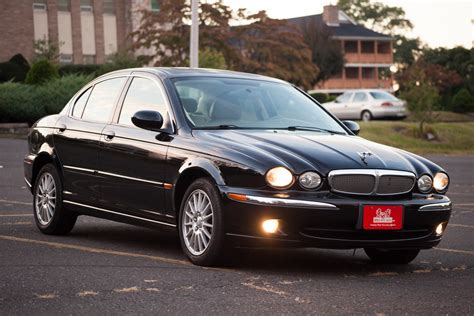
(445, 23)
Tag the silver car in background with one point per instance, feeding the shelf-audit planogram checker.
(366, 105)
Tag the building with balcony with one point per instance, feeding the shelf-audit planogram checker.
(87, 31)
(368, 54)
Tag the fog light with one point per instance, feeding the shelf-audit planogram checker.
(439, 229)
(270, 226)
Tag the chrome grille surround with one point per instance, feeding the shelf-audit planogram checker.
(384, 182)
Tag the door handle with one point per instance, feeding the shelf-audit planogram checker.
(109, 135)
(61, 128)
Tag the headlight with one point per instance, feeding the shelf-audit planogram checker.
(440, 181)
(425, 183)
(279, 178)
(310, 180)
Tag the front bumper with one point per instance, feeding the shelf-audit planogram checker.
(327, 220)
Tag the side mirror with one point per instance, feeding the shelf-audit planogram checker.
(150, 120)
(352, 126)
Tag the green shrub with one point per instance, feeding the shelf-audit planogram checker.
(20, 61)
(72, 69)
(41, 71)
(28, 103)
(15, 69)
(320, 97)
(463, 102)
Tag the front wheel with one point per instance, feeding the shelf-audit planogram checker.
(201, 228)
(50, 215)
(389, 256)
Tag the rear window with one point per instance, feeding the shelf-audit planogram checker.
(101, 102)
(382, 95)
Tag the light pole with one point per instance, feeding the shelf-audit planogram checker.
(194, 41)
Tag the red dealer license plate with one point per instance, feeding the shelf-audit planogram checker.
(383, 217)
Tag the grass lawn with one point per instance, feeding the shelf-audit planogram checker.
(453, 138)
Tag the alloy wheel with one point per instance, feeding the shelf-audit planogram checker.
(45, 199)
(197, 222)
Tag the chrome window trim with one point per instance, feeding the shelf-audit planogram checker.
(261, 200)
(376, 173)
(157, 80)
(113, 175)
(121, 214)
(443, 206)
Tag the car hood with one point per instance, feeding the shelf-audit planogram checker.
(302, 151)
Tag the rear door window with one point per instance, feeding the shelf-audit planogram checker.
(102, 100)
(360, 97)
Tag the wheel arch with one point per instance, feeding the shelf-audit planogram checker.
(42, 159)
(190, 171)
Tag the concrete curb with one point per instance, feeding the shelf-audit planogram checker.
(14, 128)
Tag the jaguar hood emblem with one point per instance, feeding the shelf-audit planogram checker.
(364, 155)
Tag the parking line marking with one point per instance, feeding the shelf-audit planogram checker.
(15, 215)
(96, 250)
(463, 204)
(465, 252)
(15, 202)
(461, 225)
(16, 223)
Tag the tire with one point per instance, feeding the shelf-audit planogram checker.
(366, 116)
(196, 227)
(50, 215)
(396, 256)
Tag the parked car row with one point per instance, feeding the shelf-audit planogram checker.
(367, 105)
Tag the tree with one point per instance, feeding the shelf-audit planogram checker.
(420, 95)
(274, 48)
(376, 15)
(407, 50)
(265, 46)
(46, 49)
(209, 58)
(326, 53)
(463, 102)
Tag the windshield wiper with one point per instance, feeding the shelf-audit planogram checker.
(313, 129)
(223, 126)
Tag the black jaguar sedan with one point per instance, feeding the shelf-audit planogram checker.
(229, 159)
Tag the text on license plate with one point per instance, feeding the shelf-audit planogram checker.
(382, 217)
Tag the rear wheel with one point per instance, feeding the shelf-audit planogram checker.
(50, 216)
(201, 224)
(366, 116)
(389, 256)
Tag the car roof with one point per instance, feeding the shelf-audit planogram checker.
(177, 72)
(367, 90)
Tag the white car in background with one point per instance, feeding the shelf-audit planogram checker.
(366, 105)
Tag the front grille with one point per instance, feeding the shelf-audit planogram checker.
(371, 181)
(360, 183)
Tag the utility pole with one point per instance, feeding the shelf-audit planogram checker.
(194, 41)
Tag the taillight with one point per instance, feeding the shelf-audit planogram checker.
(387, 104)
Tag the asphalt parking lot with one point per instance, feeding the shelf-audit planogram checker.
(109, 268)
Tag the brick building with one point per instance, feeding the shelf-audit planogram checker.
(368, 54)
(87, 30)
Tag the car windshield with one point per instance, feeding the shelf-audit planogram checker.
(382, 95)
(250, 104)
